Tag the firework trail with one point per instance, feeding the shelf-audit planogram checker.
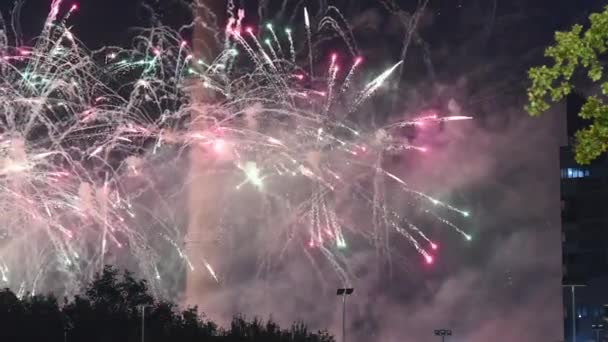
(91, 145)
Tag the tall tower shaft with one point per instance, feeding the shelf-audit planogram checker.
(205, 187)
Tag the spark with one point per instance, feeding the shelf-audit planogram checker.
(253, 174)
(211, 271)
(375, 84)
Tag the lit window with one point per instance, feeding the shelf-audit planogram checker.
(574, 173)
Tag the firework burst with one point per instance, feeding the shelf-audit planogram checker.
(91, 145)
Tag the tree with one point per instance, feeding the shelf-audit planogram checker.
(109, 310)
(12, 314)
(574, 51)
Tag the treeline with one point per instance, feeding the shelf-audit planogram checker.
(110, 310)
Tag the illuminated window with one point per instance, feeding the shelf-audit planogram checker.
(570, 173)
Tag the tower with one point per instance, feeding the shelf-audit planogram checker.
(205, 188)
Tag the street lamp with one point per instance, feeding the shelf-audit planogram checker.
(344, 292)
(572, 289)
(598, 329)
(443, 333)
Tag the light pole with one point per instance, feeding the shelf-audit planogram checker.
(443, 333)
(143, 321)
(66, 326)
(344, 292)
(572, 289)
(598, 329)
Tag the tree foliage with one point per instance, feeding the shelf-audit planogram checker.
(576, 50)
(110, 310)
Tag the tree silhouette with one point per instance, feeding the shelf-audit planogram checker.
(109, 309)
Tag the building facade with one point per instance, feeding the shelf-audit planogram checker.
(584, 195)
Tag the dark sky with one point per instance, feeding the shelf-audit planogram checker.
(505, 286)
(510, 34)
(105, 22)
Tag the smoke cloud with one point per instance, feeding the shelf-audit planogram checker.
(503, 168)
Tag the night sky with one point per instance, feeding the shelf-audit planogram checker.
(105, 22)
(505, 286)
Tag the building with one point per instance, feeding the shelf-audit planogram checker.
(584, 194)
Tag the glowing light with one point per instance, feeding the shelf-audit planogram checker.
(468, 237)
(429, 259)
(211, 271)
(306, 18)
(143, 83)
(219, 146)
(434, 246)
(253, 174)
(275, 141)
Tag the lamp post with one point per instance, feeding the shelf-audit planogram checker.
(67, 325)
(573, 291)
(443, 333)
(344, 292)
(598, 329)
(143, 321)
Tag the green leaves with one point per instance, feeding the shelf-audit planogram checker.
(573, 50)
(592, 141)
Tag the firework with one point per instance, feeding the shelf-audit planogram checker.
(92, 145)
